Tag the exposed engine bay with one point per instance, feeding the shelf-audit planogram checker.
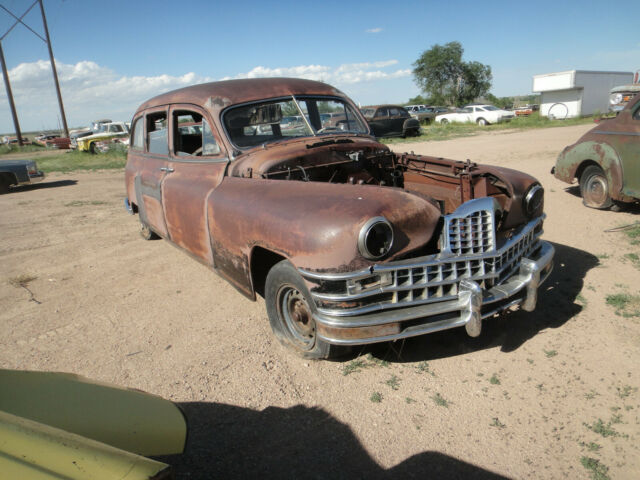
(446, 182)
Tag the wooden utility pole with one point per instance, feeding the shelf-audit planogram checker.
(55, 72)
(7, 86)
(46, 40)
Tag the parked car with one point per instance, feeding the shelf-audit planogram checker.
(18, 172)
(526, 110)
(414, 108)
(106, 131)
(78, 134)
(427, 114)
(348, 242)
(621, 95)
(480, 114)
(390, 120)
(606, 160)
(61, 143)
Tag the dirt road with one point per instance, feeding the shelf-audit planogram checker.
(534, 395)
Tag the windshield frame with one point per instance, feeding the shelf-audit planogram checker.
(296, 99)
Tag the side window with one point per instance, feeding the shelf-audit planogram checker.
(382, 112)
(137, 139)
(192, 135)
(157, 141)
(636, 114)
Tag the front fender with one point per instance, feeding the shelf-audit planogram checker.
(571, 160)
(314, 225)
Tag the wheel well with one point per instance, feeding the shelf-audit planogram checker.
(581, 168)
(261, 262)
(10, 177)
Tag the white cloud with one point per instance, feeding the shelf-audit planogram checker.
(90, 91)
(373, 30)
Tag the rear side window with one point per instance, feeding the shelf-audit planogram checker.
(137, 139)
(157, 140)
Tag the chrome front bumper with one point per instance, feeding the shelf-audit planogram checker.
(468, 307)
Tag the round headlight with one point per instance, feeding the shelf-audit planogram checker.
(533, 199)
(615, 98)
(376, 238)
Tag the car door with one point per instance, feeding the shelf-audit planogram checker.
(152, 159)
(380, 122)
(197, 163)
(629, 150)
(396, 120)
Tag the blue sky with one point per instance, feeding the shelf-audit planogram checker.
(112, 55)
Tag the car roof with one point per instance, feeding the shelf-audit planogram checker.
(386, 106)
(230, 92)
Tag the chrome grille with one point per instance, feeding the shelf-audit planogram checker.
(471, 234)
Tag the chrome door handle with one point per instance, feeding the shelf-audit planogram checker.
(166, 169)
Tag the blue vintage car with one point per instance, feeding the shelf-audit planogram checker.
(18, 172)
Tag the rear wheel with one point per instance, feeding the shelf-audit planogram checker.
(594, 188)
(290, 309)
(482, 122)
(146, 232)
(444, 121)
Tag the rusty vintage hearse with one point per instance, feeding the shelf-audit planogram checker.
(348, 242)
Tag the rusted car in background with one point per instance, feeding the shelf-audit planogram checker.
(348, 242)
(606, 160)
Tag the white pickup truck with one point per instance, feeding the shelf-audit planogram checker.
(106, 131)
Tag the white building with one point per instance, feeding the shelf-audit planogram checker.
(576, 92)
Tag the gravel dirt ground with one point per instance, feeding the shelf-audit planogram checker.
(535, 396)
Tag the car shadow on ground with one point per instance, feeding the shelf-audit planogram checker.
(227, 441)
(556, 305)
(43, 185)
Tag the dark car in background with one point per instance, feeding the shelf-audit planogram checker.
(390, 121)
(18, 172)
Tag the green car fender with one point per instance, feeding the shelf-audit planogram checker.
(575, 158)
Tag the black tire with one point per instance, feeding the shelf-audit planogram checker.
(290, 309)
(594, 188)
(4, 184)
(146, 232)
(92, 148)
(444, 121)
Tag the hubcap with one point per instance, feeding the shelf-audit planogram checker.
(596, 191)
(296, 315)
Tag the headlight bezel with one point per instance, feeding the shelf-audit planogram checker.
(375, 226)
(615, 98)
(533, 200)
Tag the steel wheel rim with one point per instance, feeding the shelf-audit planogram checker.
(596, 190)
(297, 317)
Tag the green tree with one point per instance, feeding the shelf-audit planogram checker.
(443, 76)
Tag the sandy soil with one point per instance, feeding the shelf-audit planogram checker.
(521, 401)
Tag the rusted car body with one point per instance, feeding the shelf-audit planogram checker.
(606, 160)
(348, 242)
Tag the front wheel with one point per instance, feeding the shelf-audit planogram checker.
(290, 310)
(594, 188)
